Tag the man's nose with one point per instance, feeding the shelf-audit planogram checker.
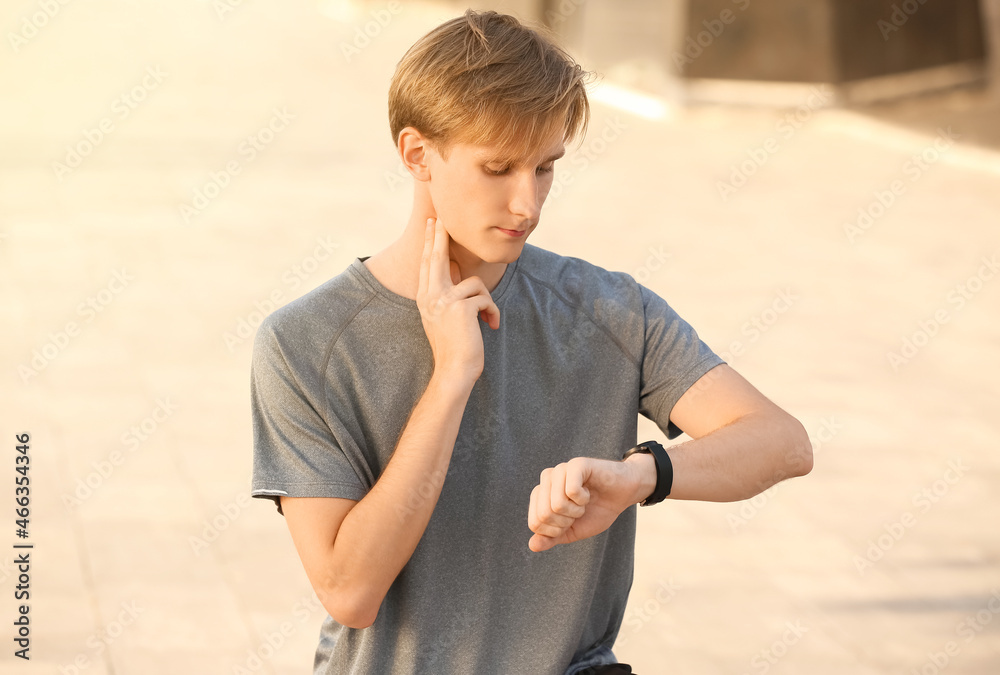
(527, 200)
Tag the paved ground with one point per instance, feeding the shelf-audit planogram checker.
(126, 300)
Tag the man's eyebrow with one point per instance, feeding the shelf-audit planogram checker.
(487, 157)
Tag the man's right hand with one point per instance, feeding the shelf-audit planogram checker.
(449, 307)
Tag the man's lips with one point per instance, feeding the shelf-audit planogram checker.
(513, 233)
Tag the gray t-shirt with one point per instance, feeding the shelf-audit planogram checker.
(580, 350)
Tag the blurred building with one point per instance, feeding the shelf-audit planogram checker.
(772, 51)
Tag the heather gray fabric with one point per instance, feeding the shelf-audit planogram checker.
(580, 350)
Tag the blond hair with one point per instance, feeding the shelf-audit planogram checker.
(485, 78)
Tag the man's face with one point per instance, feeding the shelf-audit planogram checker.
(490, 205)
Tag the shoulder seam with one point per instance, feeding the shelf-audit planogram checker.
(329, 351)
(635, 362)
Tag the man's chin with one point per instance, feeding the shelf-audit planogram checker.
(493, 249)
(503, 254)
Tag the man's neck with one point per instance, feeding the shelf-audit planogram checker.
(397, 267)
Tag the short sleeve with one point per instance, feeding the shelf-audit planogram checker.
(296, 449)
(674, 358)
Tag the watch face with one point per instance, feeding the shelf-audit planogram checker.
(643, 448)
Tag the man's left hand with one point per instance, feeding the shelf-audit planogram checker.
(582, 497)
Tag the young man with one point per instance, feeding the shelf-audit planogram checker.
(443, 424)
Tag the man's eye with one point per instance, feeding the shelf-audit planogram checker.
(505, 170)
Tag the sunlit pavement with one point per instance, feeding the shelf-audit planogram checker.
(171, 172)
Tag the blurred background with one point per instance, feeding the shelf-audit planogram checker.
(815, 186)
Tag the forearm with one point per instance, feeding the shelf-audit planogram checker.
(380, 533)
(741, 459)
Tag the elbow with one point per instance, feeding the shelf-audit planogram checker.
(354, 618)
(349, 608)
(799, 457)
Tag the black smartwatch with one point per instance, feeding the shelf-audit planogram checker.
(664, 470)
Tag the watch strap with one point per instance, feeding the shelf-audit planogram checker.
(664, 470)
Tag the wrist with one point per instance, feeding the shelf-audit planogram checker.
(643, 476)
(451, 385)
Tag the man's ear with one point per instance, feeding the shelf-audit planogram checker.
(413, 150)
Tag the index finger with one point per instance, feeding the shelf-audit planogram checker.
(439, 272)
(425, 256)
(576, 477)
